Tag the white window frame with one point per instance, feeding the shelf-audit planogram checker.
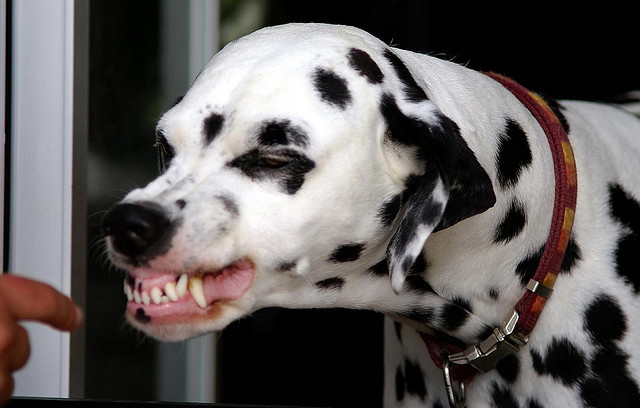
(46, 137)
(47, 231)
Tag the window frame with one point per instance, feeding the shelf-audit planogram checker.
(46, 182)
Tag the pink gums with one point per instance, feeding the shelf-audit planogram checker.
(229, 283)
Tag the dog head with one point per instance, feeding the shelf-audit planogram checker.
(301, 156)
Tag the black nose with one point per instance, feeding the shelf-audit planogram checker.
(136, 228)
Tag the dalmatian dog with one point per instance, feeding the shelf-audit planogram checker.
(314, 166)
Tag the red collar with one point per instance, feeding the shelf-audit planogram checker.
(462, 365)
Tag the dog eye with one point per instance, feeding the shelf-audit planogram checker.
(272, 162)
(165, 152)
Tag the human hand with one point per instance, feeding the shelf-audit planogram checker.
(26, 299)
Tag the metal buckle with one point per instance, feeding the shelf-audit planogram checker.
(456, 399)
(502, 342)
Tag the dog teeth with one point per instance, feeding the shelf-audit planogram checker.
(171, 292)
(196, 291)
(128, 291)
(156, 295)
(181, 286)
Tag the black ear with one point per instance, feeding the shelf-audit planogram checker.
(450, 184)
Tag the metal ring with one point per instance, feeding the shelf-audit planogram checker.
(455, 401)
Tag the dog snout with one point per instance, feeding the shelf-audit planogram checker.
(136, 229)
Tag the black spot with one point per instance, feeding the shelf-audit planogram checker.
(421, 314)
(512, 224)
(412, 90)
(415, 379)
(533, 403)
(571, 256)
(626, 210)
(142, 317)
(400, 386)
(331, 283)
(414, 281)
(611, 384)
(455, 314)
(593, 393)
(514, 154)
(604, 320)
(212, 126)
(493, 293)
(527, 267)
(282, 132)
(332, 88)
(229, 204)
(380, 269)
(181, 204)
(503, 398)
(563, 361)
(286, 266)
(346, 253)
(290, 175)
(417, 284)
(509, 368)
(390, 209)
(362, 62)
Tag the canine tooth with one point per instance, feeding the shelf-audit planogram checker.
(170, 290)
(136, 296)
(196, 290)
(181, 286)
(156, 295)
(146, 299)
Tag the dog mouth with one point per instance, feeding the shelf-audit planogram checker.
(165, 297)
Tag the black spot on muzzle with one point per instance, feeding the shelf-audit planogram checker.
(138, 230)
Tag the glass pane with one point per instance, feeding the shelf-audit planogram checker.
(124, 106)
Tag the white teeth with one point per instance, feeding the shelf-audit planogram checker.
(196, 290)
(181, 286)
(170, 291)
(156, 295)
(128, 292)
(136, 296)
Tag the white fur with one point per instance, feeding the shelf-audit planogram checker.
(267, 75)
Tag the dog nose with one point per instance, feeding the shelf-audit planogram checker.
(135, 228)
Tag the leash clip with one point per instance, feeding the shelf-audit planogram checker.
(456, 399)
(502, 342)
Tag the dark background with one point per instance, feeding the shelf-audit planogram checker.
(318, 358)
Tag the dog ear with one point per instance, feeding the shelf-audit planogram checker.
(444, 183)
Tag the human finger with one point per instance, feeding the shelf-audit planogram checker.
(28, 299)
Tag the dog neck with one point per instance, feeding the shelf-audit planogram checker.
(480, 266)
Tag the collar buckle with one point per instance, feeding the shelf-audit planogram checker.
(502, 342)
